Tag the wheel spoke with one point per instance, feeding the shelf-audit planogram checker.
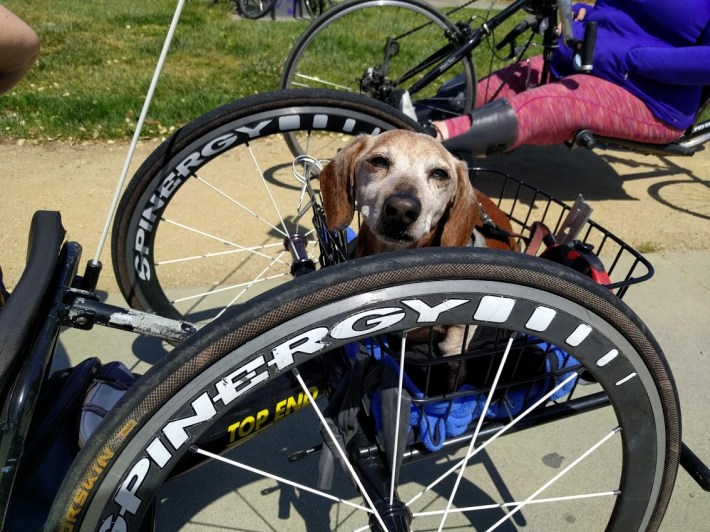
(268, 190)
(556, 477)
(277, 478)
(321, 81)
(217, 254)
(614, 493)
(239, 204)
(257, 279)
(498, 434)
(247, 284)
(400, 387)
(479, 424)
(253, 250)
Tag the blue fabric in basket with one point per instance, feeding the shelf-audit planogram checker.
(450, 418)
(438, 420)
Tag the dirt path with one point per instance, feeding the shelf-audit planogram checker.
(77, 180)
(653, 203)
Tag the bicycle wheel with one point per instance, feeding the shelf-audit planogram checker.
(205, 216)
(360, 34)
(613, 468)
(254, 8)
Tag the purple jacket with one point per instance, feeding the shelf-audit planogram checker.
(657, 49)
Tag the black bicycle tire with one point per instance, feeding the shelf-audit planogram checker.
(206, 359)
(342, 10)
(147, 294)
(246, 13)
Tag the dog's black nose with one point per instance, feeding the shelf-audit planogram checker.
(402, 209)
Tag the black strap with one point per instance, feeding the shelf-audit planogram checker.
(341, 414)
(392, 430)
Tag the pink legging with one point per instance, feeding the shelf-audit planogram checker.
(554, 112)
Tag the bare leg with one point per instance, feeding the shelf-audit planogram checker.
(19, 47)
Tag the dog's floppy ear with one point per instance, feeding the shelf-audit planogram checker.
(337, 184)
(463, 214)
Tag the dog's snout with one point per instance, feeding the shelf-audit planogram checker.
(402, 209)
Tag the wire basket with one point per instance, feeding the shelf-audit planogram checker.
(526, 204)
(447, 395)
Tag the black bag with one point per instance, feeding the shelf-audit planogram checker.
(70, 406)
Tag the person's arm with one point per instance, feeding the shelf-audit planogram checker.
(673, 66)
(19, 47)
(689, 65)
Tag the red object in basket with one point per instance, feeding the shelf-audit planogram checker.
(580, 257)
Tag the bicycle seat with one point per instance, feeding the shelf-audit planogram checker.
(19, 315)
(589, 140)
(691, 142)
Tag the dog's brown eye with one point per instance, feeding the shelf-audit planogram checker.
(379, 162)
(439, 174)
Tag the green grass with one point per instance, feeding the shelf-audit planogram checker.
(649, 247)
(98, 58)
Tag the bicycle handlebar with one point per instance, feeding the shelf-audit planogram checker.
(522, 26)
(584, 49)
(585, 54)
(564, 12)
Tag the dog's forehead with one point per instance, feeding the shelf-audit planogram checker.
(417, 146)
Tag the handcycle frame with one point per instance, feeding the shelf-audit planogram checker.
(50, 296)
(469, 39)
(69, 300)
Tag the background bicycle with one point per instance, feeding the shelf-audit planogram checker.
(255, 9)
(412, 48)
(411, 45)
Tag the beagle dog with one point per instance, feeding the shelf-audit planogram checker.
(411, 193)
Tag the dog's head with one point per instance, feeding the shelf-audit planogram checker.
(410, 190)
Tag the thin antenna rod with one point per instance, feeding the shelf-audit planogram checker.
(139, 128)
